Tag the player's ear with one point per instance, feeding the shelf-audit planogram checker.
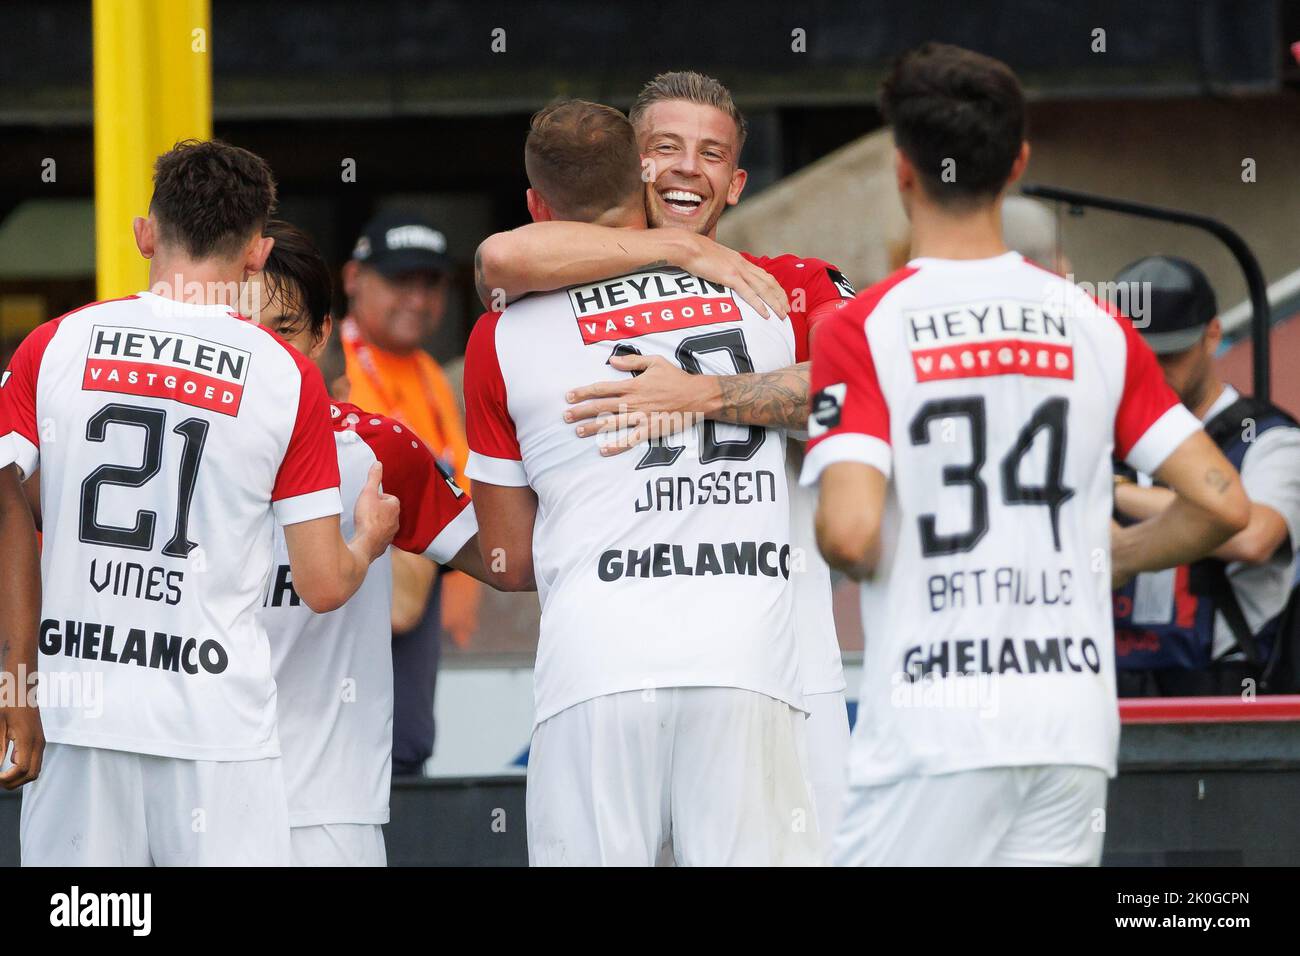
(904, 172)
(256, 255)
(1022, 160)
(351, 269)
(1213, 336)
(323, 339)
(738, 179)
(537, 207)
(145, 238)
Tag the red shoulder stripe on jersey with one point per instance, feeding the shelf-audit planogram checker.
(310, 461)
(1147, 395)
(18, 396)
(847, 397)
(19, 390)
(866, 301)
(489, 427)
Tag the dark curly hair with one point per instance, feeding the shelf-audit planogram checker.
(210, 197)
(947, 103)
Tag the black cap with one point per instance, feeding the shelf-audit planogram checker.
(1172, 300)
(396, 242)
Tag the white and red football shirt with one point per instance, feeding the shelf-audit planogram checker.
(816, 290)
(667, 565)
(993, 393)
(170, 439)
(334, 672)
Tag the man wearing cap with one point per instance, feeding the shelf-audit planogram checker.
(1208, 627)
(397, 283)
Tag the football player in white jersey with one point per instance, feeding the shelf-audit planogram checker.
(172, 435)
(334, 671)
(965, 413)
(668, 699)
(691, 134)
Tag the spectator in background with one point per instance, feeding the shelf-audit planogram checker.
(397, 284)
(1030, 228)
(1207, 627)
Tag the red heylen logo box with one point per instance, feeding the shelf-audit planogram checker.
(156, 364)
(1004, 357)
(647, 302)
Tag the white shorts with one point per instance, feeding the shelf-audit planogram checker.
(96, 807)
(996, 816)
(338, 844)
(717, 772)
(828, 758)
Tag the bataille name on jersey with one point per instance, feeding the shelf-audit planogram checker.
(989, 337)
(181, 367)
(648, 302)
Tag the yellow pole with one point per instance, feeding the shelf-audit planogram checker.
(153, 87)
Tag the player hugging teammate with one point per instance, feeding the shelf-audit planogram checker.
(689, 694)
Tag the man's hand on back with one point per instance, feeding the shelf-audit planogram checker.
(657, 401)
(661, 400)
(715, 262)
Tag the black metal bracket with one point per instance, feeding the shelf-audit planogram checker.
(1259, 319)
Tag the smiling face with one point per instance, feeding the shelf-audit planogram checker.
(395, 312)
(692, 151)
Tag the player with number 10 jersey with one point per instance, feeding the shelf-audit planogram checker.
(668, 697)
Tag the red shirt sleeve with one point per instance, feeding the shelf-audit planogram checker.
(816, 290)
(494, 454)
(850, 417)
(847, 398)
(436, 518)
(1147, 396)
(18, 397)
(310, 468)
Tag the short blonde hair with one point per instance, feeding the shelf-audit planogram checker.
(693, 88)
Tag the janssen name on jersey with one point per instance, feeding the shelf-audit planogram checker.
(170, 439)
(689, 532)
(993, 393)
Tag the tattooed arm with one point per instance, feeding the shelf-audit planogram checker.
(660, 399)
(772, 399)
(1209, 507)
(543, 256)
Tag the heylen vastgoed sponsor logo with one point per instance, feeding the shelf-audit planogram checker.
(993, 337)
(184, 368)
(75, 908)
(649, 302)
